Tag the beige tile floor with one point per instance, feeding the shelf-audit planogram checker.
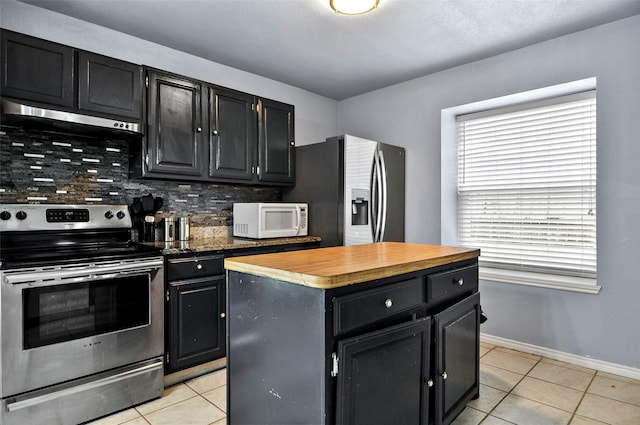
(526, 389)
(515, 388)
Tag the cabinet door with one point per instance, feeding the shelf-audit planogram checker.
(458, 358)
(393, 361)
(174, 144)
(276, 142)
(196, 311)
(232, 134)
(108, 85)
(37, 70)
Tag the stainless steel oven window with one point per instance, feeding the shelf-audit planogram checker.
(59, 313)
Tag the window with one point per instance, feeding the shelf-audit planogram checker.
(527, 190)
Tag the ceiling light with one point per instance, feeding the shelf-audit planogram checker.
(353, 7)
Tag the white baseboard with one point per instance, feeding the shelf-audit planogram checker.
(588, 362)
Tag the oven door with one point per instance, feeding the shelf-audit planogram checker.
(66, 322)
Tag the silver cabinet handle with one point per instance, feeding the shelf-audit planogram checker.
(461, 281)
(199, 129)
(223, 315)
(388, 303)
(214, 132)
(199, 266)
(430, 383)
(444, 375)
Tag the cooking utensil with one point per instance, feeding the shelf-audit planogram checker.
(147, 203)
(157, 204)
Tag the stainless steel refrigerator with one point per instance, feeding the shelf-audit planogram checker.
(354, 188)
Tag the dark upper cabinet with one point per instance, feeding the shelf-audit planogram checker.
(276, 142)
(110, 86)
(175, 145)
(248, 140)
(37, 70)
(45, 72)
(232, 134)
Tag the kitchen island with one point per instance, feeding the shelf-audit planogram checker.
(366, 334)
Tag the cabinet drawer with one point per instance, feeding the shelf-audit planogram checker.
(193, 267)
(452, 283)
(360, 309)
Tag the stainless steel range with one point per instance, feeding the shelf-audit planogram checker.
(81, 319)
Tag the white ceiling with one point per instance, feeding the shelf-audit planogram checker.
(305, 44)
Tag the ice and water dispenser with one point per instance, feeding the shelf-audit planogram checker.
(359, 207)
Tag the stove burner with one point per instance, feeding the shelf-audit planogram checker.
(43, 234)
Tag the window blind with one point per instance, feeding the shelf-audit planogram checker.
(527, 186)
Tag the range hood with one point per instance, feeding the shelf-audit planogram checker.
(22, 113)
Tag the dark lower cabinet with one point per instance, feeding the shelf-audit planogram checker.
(195, 313)
(195, 308)
(197, 331)
(383, 376)
(457, 362)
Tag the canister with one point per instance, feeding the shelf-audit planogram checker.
(183, 228)
(169, 229)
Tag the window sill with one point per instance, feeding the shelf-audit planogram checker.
(565, 283)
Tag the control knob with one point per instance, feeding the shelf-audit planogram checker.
(120, 215)
(108, 215)
(21, 215)
(5, 215)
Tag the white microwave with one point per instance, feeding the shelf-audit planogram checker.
(261, 220)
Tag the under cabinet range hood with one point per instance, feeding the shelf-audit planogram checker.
(15, 112)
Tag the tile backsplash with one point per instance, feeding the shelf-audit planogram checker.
(38, 166)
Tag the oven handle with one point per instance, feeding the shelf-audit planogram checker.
(83, 272)
(17, 405)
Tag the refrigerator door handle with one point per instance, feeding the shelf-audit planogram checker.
(374, 194)
(383, 204)
(376, 197)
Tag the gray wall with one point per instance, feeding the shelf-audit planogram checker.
(316, 116)
(604, 326)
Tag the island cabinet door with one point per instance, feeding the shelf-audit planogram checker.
(457, 366)
(382, 376)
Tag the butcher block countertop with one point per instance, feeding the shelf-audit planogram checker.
(333, 267)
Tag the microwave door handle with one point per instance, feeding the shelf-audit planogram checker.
(385, 198)
(298, 219)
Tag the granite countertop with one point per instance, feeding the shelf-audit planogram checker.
(225, 243)
(344, 265)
